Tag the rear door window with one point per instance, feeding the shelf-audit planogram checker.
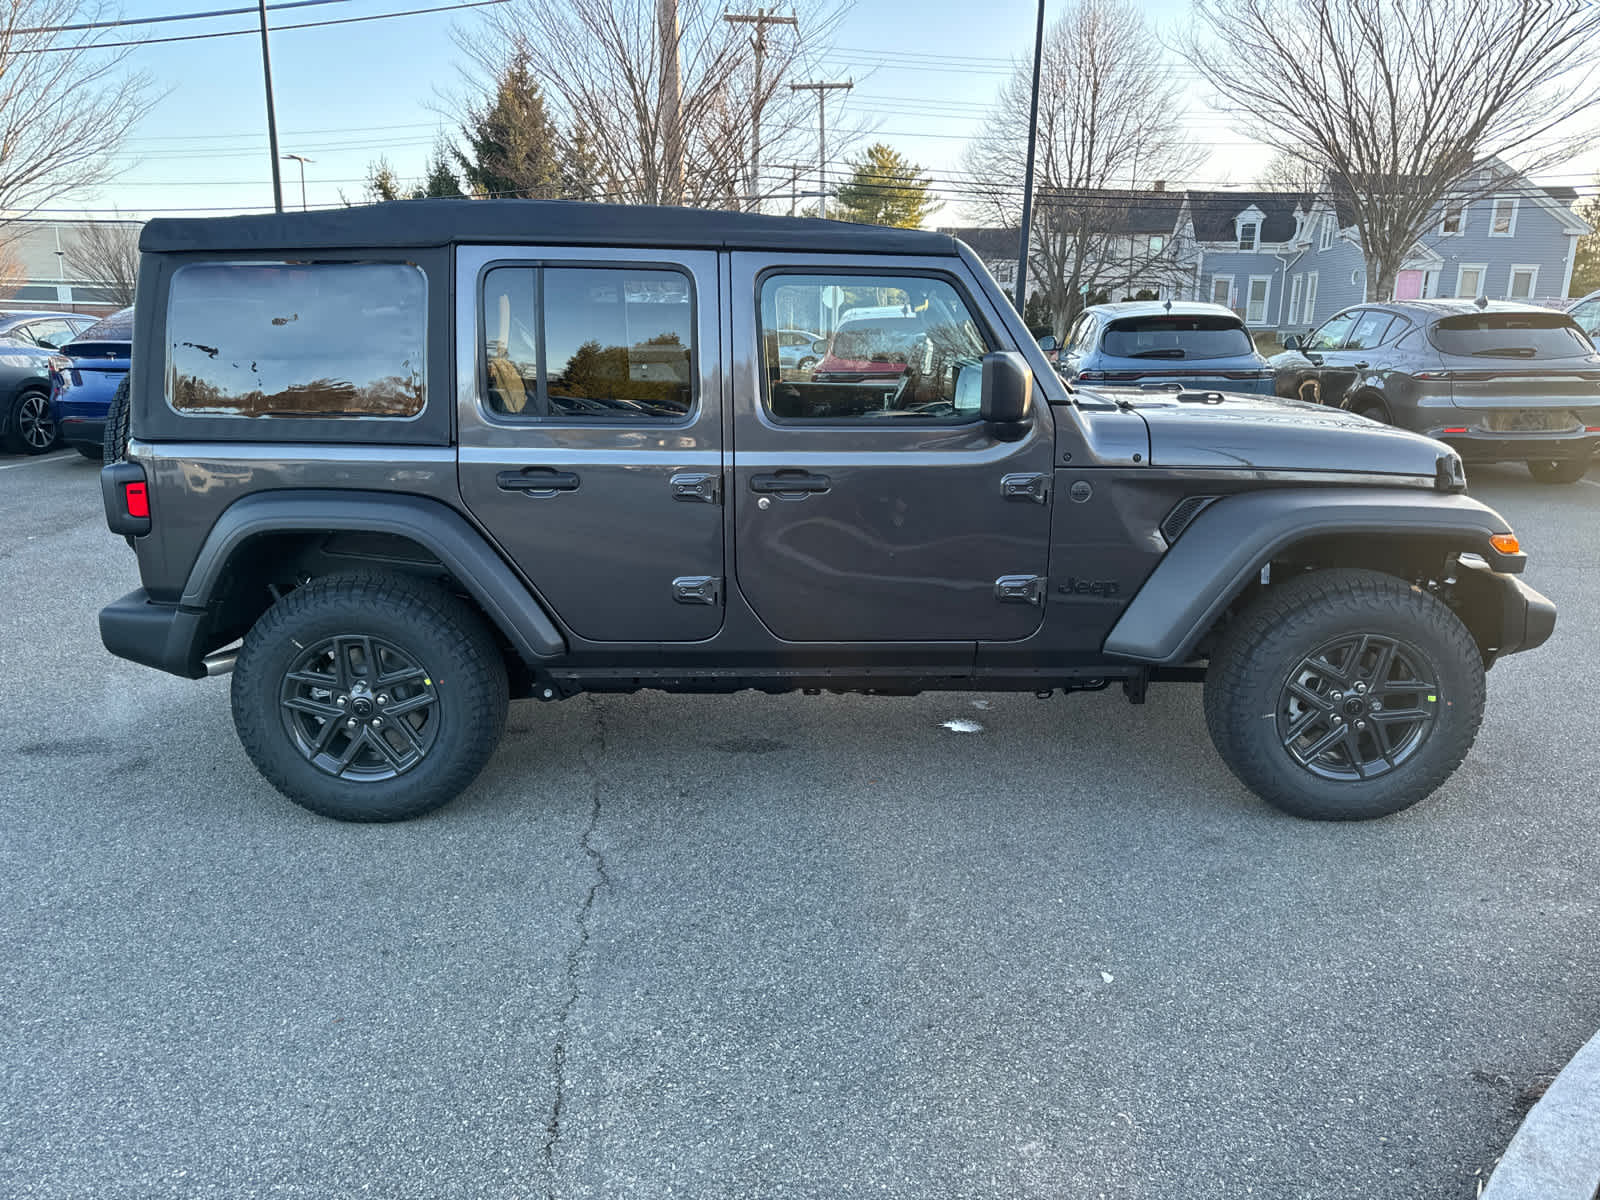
(297, 340)
(1510, 335)
(1177, 337)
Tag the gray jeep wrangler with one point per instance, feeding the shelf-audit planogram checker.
(395, 466)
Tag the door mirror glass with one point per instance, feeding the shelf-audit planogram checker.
(819, 347)
(1007, 389)
(1292, 342)
(1048, 342)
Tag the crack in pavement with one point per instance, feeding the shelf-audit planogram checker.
(575, 955)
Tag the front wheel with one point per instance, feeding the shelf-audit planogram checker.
(1344, 695)
(369, 697)
(806, 364)
(1564, 470)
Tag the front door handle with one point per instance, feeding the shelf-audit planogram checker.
(537, 481)
(789, 483)
(1361, 366)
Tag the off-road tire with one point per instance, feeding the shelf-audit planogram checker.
(92, 453)
(1561, 470)
(114, 442)
(1268, 642)
(436, 629)
(17, 441)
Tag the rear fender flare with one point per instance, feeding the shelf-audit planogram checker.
(507, 600)
(1234, 538)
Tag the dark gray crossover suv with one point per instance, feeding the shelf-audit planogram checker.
(395, 466)
(1500, 382)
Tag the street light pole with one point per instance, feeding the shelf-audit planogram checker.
(1027, 182)
(272, 117)
(302, 160)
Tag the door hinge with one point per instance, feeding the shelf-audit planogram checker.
(697, 487)
(1025, 486)
(697, 589)
(1019, 589)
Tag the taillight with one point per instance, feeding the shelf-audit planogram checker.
(59, 365)
(1091, 376)
(1455, 429)
(137, 500)
(126, 497)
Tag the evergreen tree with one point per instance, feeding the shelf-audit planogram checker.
(382, 183)
(580, 168)
(885, 188)
(513, 147)
(441, 183)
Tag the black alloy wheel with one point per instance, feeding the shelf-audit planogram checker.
(1358, 707)
(33, 429)
(359, 708)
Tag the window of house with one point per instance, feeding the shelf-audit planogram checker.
(899, 348)
(1297, 285)
(588, 343)
(1157, 244)
(1248, 232)
(1311, 298)
(1330, 227)
(1503, 220)
(1469, 279)
(297, 340)
(1255, 309)
(1524, 279)
(1454, 221)
(1221, 289)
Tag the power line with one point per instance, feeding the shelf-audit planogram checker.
(191, 16)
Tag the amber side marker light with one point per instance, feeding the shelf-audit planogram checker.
(1506, 543)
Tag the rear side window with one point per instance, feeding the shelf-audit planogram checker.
(297, 340)
(1176, 336)
(1510, 335)
(588, 343)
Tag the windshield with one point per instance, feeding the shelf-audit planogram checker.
(1177, 337)
(878, 340)
(1510, 335)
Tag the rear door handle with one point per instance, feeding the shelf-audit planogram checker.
(789, 482)
(537, 481)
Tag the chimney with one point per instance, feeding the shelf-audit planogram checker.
(1159, 185)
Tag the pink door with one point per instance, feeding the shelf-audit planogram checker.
(1408, 285)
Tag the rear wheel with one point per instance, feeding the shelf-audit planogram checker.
(1372, 410)
(369, 698)
(92, 453)
(114, 444)
(1344, 695)
(31, 428)
(1563, 470)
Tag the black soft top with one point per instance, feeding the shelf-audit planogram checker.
(419, 223)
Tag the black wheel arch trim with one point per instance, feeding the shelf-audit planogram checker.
(444, 533)
(1235, 537)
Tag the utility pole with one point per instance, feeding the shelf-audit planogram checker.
(302, 160)
(1027, 182)
(822, 90)
(761, 18)
(272, 116)
(667, 31)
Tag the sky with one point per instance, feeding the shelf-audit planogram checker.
(349, 93)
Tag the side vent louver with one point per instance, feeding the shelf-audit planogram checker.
(1183, 512)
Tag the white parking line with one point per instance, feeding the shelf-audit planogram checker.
(29, 462)
(1590, 482)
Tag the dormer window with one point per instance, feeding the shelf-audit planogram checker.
(1329, 228)
(1248, 233)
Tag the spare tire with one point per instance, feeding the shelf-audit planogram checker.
(114, 445)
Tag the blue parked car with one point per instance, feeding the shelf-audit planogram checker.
(84, 377)
(1180, 344)
(27, 340)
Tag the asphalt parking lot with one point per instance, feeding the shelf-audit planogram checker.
(773, 947)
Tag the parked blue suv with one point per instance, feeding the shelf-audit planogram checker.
(84, 378)
(1185, 345)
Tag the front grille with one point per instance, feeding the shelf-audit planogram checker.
(1183, 512)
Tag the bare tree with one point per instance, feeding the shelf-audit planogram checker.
(1288, 173)
(1110, 114)
(65, 107)
(664, 90)
(1406, 103)
(106, 253)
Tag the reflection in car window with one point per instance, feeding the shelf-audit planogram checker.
(1370, 330)
(296, 339)
(897, 347)
(1331, 336)
(1177, 336)
(618, 343)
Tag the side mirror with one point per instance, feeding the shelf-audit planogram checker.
(1292, 342)
(1007, 391)
(1048, 342)
(819, 347)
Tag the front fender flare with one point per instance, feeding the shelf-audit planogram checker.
(1235, 537)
